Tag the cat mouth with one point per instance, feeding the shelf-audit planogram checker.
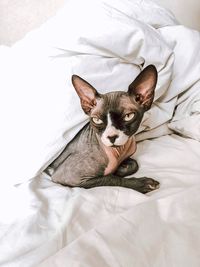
(116, 146)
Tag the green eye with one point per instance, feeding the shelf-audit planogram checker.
(97, 120)
(129, 117)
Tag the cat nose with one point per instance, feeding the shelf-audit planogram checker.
(113, 138)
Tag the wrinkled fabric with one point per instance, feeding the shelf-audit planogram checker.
(107, 43)
(52, 225)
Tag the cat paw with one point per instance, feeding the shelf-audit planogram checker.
(142, 185)
(127, 167)
(147, 185)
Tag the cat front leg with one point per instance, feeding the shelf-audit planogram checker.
(142, 185)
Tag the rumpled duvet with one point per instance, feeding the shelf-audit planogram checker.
(107, 43)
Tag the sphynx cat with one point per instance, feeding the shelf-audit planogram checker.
(99, 155)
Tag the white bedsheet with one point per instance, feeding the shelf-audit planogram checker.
(110, 226)
(40, 113)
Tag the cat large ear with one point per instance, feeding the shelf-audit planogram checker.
(142, 88)
(86, 92)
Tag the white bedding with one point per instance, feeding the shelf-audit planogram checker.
(107, 43)
(110, 226)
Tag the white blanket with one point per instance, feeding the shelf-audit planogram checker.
(107, 43)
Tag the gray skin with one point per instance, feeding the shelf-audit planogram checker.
(83, 161)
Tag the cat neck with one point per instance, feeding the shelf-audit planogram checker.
(116, 155)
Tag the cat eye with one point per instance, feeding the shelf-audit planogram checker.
(97, 120)
(129, 117)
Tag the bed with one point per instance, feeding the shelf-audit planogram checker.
(108, 43)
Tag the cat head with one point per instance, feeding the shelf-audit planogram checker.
(116, 116)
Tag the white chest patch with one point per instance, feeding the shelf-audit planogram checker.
(111, 131)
